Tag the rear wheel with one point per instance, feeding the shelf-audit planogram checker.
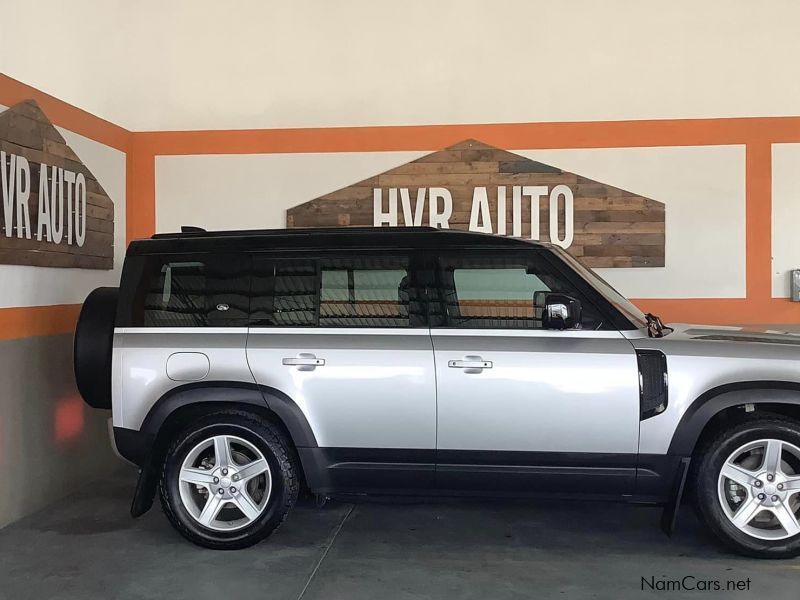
(748, 487)
(228, 481)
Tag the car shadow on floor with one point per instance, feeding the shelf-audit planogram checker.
(88, 546)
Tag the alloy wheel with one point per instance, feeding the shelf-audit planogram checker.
(758, 489)
(225, 483)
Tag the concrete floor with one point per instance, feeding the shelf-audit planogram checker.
(88, 547)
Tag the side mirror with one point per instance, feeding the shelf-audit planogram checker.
(561, 312)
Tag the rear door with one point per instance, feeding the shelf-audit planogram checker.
(345, 338)
(521, 408)
(182, 319)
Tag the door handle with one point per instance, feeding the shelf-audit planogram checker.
(471, 364)
(304, 362)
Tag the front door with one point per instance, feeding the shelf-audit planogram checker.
(344, 338)
(521, 408)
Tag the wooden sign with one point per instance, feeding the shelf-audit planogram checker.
(53, 212)
(481, 188)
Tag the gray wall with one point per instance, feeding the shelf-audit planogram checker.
(51, 443)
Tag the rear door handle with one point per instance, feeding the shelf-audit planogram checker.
(471, 364)
(304, 361)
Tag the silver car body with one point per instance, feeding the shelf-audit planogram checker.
(701, 358)
(540, 404)
(546, 391)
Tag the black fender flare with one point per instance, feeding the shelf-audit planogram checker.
(232, 392)
(142, 447)
(722, 397)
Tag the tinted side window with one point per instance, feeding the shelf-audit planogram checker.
(503, 291)
(295, 295)
(336, 292)
(191, 291)
(364, 292)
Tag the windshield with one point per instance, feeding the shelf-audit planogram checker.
(620, 302)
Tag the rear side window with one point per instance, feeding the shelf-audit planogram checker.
(337, 292)
(189, 291)
(366, 292)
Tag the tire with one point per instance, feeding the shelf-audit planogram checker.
(249, 440)
(721, 500)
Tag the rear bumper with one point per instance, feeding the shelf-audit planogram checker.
(131, 445)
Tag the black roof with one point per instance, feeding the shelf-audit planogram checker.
(320, 239)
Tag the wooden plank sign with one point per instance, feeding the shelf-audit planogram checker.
(477, 187)
(53, 213)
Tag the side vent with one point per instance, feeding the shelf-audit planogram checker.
(653, 383)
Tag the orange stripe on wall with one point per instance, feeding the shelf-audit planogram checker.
(65, 115)
(758, 219)
(34, 321)
(723, 311)
(140, 186)
(511, 136)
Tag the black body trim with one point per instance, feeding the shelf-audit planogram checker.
(536, 473)
(133, 445)
(717, 399)
(669, 517)
(473, 472)
(653, 383)
(138, 447)
(145, 492)
(655, 477)
(368, 470)
(230, 392)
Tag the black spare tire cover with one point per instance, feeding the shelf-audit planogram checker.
(94, 339)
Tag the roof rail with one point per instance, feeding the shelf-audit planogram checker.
(200, 232)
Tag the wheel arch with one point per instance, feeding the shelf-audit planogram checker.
(183, 404)
(724, 404)
(200, 397)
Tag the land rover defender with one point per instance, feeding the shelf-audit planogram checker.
(242, 366)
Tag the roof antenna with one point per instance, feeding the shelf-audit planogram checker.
(192, 229)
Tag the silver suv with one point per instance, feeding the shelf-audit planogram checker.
(243, 366)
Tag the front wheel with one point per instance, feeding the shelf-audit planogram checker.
(748, 487)
(228, 481)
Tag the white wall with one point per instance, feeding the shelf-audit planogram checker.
(702, 187)
(43, 286)
(785, 216)
(195, 64)
(254, 191)
(704, 192)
